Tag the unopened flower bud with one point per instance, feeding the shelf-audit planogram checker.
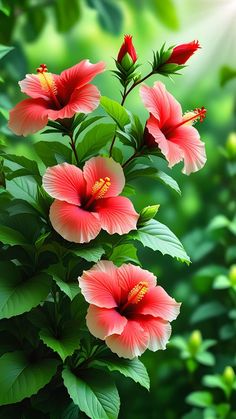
(181, 53)
(127, 49)
(232, 274)
(229, 375)
(231, 145)
(195, 340)
(148, 213)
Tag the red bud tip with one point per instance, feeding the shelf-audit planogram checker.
(127, 47)
(181, 53)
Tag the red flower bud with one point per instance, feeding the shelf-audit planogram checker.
(181, 53)
(127, 48)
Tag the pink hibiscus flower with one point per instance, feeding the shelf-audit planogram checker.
(172, 131)
(55, 96)
(86, 201)
(127, 309)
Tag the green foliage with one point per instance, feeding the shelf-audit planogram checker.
(115, 111)
(95, 140)
(226, 74)
(86, 392)
(157, 236)
(22, 377)
(109, 14)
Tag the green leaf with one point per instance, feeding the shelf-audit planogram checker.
(4, 50)
(169, 181)
(226, 74)
(27, 166)
(208, 311)
(200, 399)
(132, 368)
(5, 7)
(124, 253)
(57, 271)
(66, 341)
(66, 17)
(205, 358)
(95, 140)
(19, 295)
(166, 12)
(53, 152)
(109, 15)
(221, 282)
(20, 377)
(214, 381)
(157, 236)
(117, 112)
(91, 252)
(10, 236)
(95, 394)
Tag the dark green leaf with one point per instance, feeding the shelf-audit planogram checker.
(65, 342)
(52, 153)
(4, 50)
(19, 295)
(66, 17)
(10, 236)
(226, 74)
(132, 368)
(95, 140)
(20, 377)
(91, 252)
(109, 14)
(208, 311)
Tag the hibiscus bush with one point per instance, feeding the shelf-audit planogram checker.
(76, 306)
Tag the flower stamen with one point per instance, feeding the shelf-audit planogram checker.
(99, 189)
(48, 83)
(136, 294)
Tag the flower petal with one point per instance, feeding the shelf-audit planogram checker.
(117, 215)
(158, 330)
(99, 285)
(78, 75)
(132, 342)
(161, 104)
(193, 149)
(130, 275)
(101, 167)
(158, 304)
(73, 223)
(103, 322)
(84, 100)
(32, 86)
(28, 116)
(65, 182)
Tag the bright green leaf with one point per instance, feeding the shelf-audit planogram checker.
(200, 399)
(91, 252)
(157, 236)
(117, 112)
(95, 394)
(123, 254)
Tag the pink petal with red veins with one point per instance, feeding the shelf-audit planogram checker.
(193, 149)
(171, 150)
(65, 182)
(158, 304)
(84, 100)
(101, 167)
(99, 285)
(132, 342)
(158, 330)
(32, 87)
(79, 75)
(130, 275)
(28, 116)
(73, 223)
(160, 103)
(103, 322)
(117, 215)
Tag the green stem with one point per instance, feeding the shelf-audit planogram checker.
(124, 96)
(136, 154)
(72, 144)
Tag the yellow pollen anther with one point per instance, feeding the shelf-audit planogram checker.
(101, 187)
(138, 292)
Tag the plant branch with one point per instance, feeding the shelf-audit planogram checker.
(72, 144)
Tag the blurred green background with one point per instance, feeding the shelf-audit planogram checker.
(60, 33)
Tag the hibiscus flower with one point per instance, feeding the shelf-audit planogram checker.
(55, 96)
(86, 201)
(171, 131)
(127, 309)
